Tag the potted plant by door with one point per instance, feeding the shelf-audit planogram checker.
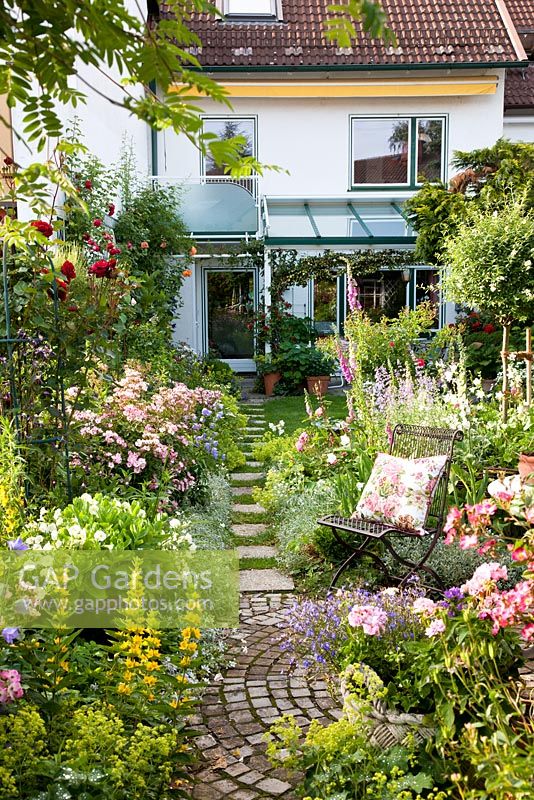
(268, 368)
(318, 370)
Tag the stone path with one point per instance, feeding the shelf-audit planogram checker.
(238, 709)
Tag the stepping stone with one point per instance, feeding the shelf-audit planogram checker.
(264, 580)
(253, 508)
(249, 529)
(257, 551)
(248, 476)
(253, 431)
(236, 490)
(254, 464)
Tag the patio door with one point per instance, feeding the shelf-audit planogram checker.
(230, 299)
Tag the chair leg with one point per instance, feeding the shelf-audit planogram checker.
(360, 551)
(417, 567)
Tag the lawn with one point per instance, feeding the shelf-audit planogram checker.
(292, 411)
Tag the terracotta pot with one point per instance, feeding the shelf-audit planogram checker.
(318, 384)
(270, 379)
(526, 468)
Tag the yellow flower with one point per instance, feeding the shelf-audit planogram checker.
(128, 675)
(185, 661)
(64, 666)
(122, 688)
(150, 680)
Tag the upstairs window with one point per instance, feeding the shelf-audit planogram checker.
(228, 128)
(251, 9)
(397, 151)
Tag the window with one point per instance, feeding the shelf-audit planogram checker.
(397, 151)
(251, 9)
(228, 128)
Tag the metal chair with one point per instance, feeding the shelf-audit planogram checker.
(408, 441)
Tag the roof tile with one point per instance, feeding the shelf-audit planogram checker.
(519, 88)
(428, 32)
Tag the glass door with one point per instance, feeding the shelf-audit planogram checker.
(230, 301)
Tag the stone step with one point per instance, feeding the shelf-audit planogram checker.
(256, 420)
(237, 490)
(248, 476)
(248, 437)
(257, 551)
(253, 431)
(264, 580)
(248, 508)
(249, 528)
(254, 464)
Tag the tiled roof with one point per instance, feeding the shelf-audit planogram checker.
(522, 13)
(519, 88)
(428, 32)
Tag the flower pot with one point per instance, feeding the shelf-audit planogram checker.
(526, 468)
(270, 379)
(318, 384)
(387, 727)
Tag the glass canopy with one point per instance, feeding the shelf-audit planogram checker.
(334, 221)
(224, 209)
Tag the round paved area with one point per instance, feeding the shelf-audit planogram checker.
(237, 711)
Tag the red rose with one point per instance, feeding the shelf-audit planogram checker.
(97, 222)
(476, 326)
(420, 362)
(144, 245)
(99, 269)
(8, 161)
(67, 269)
(111, 209)
(85, 237)
(489, 328)
(43, 227)
(72, 309)
(392, 344)
(62, 289)
(129, 245)
(88, 185)
(113, 250)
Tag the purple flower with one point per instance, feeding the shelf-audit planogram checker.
(455, 593)
(352, 296)
(11, 634)
(17, 544)
(206, 412)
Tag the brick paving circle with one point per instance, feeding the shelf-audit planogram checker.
(237, 710)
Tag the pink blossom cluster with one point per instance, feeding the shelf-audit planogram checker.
(370, 618)
(138, 433)
(10, 686)
(510, 608)
(302, 441)
(470, 524)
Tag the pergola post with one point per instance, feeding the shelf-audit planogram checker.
(267, 277)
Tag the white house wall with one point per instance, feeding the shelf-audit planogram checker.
(311, 138)
(519, 129)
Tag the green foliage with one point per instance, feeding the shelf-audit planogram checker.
(23, 756)
(340, 762)
(297, 362)
(491, 260)
(489, 177)
(340, 25)
(373, 344)
(151, 228)
(434, 213)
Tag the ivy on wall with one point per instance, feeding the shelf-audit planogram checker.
(290, 269)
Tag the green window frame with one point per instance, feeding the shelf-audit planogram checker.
(412, 182)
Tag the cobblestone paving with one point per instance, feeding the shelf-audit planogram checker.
(259, 687)
(238, 710)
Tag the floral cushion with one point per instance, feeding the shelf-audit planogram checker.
(399, 491)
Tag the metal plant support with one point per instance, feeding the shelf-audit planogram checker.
(13, 346)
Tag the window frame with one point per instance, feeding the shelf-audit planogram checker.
(275, 14)
(223, 118)
(413, 119)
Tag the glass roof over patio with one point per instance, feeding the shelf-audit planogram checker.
(335, 221)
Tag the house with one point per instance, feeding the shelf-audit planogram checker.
(354, 130)
(519, 84)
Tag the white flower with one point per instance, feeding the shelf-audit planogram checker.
(100, 536)
(174, 523)
(331, 458)
(87, 498)
(345, 440)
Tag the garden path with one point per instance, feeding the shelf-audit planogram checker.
(257, 687)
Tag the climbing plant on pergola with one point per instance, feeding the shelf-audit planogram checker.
(290, 268)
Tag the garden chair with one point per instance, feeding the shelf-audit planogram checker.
(358, 535)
